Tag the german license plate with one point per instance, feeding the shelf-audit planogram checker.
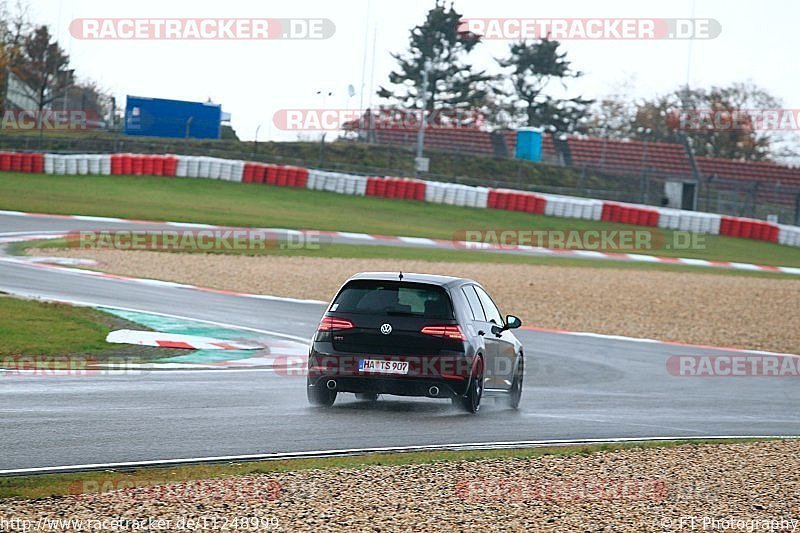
(379, 366)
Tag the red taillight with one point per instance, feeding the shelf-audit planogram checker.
(448, 332)
(330, 323)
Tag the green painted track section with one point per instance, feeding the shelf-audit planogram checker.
(190, 327)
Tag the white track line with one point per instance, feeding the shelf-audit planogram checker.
(426, 242)
(418, 240)
(156, 282)
(624, 338)
(364, 451)
(350, 235)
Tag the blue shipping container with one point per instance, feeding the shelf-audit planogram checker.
(157, 117)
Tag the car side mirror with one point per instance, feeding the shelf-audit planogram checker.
(513, 322)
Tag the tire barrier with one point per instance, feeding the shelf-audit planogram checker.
(78, 164)
(693, 221)
(275, 175)
(570, 207)
(788, 235)
(142, 165)
(181, 166)
(398, 188)
(22, 162)
(338, 182)
(745, 228)
(456, 194)
(511, 200)
(629, 214)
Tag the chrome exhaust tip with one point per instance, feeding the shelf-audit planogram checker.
(434, 391)
(331, 384)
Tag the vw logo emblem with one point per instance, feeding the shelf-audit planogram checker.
(386, 329)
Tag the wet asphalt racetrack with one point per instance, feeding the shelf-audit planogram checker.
(575, 388)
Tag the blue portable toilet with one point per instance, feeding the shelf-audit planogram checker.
(529, 144)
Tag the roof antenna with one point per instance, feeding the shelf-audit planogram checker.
(401, 275)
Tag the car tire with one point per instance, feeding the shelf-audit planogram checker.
(320, 396)
(515, 394)
(471, 401)
(367, 396)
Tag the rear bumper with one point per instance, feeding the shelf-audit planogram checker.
(448, 373)
(397, 386)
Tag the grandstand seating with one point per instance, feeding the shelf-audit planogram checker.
(447, 139)
(633, 157)
(777, 184)
(749, 170)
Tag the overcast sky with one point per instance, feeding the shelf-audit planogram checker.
(253, 79)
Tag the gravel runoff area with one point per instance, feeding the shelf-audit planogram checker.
(714, 309)
(735, 487)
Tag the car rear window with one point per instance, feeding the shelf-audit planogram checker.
(393, 298)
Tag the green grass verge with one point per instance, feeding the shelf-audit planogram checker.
(36, 328)
(32, 329)
(252, 205)
(47, 485)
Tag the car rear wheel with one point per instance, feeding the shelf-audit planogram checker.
(367, 396)
(471, 401)
(320, 395)
(515, 394)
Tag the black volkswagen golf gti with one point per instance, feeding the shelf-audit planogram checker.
(415, 335)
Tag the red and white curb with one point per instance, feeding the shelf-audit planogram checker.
(287, 356)
(346, 237)
(284, 355)
(176, 340)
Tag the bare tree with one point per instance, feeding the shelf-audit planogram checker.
(44, 68)
(13, 27)
(88, 97)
